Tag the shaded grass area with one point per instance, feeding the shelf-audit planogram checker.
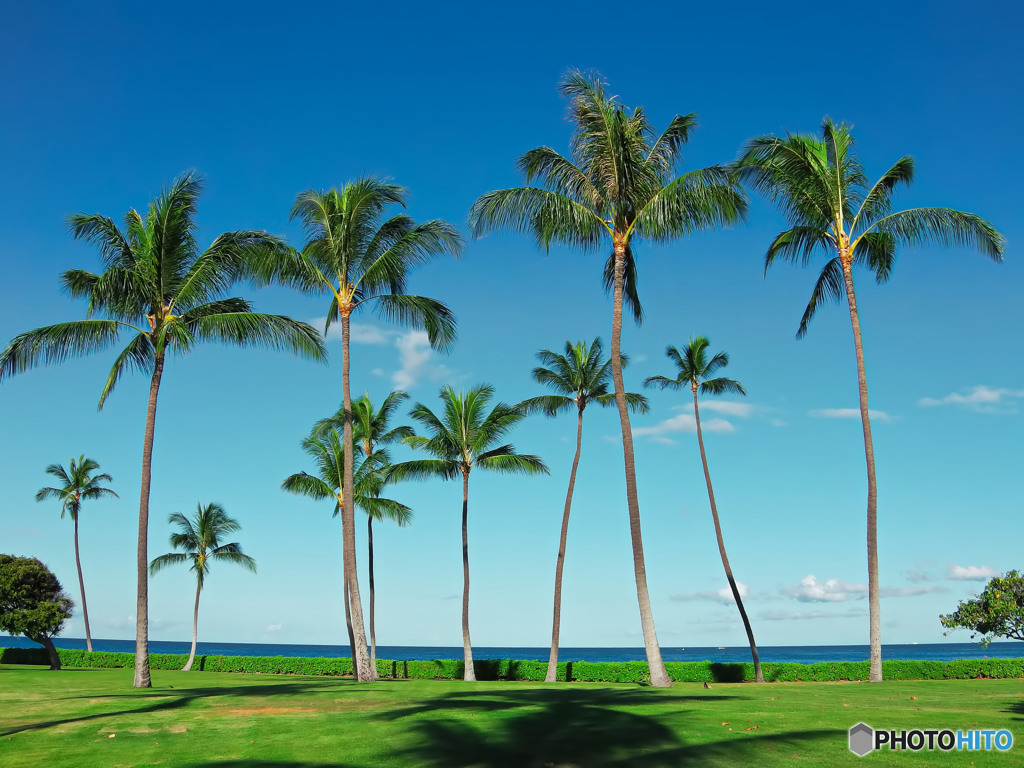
(200, 720)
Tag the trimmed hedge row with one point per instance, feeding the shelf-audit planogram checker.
(512, 669)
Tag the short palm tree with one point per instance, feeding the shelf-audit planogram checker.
(77, 483)
(324, 447)
(160, 289)
(371, 429)
(695, 371)
(462, 438)
(616, 189)
(199, 540)
(580, 377)
(820, 185)
(358, 254)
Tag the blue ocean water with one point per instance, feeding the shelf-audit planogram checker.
(806, 654)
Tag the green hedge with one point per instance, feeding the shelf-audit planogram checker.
(511, 669)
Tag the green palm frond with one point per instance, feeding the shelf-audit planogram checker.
(171, 558)
(423, 469)
(548, 216)
(797, 244)
(944, 226)
(829, 287)
(419, 311)
(630, 295)
(512, 463)
(304, 484)
(255, 329)
(694, 369)
(54, 344)
(199, 538)
(559, 175)
(698, 200)
(549, 405)
(138, 355)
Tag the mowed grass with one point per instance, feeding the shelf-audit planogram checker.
(95, 718)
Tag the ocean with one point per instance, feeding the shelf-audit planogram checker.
(806, 654)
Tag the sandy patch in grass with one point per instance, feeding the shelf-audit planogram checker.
(250, 711)
(177, 728)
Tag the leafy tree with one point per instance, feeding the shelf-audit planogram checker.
(77, 484)
(616, 189)
(580, 377)
(358, 254)
(462, 438)
(165, 294)
(371, 429)
(820, 185)
(695, 371)
(325, 448)
(32, 602)
(997, 612)
(200, 542)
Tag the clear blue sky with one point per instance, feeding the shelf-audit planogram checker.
(104, 103)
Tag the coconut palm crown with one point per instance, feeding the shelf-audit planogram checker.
(820, 186)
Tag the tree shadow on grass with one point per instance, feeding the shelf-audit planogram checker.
(1016, 708)
(577, 727)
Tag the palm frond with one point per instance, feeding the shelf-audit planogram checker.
(944, 226)
(549, 405)
(171, 558)
(630, 295)
(829, 287)
(424, 469)
(702, 199)
(547, 216)
(797, 244)
(54, 344)
(256, 329)
(559, 175)
(878, 201)
(138, 355)
(304, 484)
(504, 460)
(421, 312)
(721, 386)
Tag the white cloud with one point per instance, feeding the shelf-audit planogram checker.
(909, 591)
(810, 590)
(663, 440)
(728, 407)
(981, 399)
(797, 615)
(777, 422)
(684, 422)
(358, 332)
(416, 358)
(917, 577)
(972, 572)
(723, 596)
(848, 413)
(274, 628)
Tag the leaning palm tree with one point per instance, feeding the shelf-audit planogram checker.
(358, 255)
(695, 371)
(77, 484)
(463, 438)
(580, 377)
(820, 185)
(160, 289)
(325, 448)
(371, 429)
(616, 188)
(200, 542)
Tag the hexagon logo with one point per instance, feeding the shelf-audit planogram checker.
(862, 739)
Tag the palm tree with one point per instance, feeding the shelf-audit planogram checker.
(695, 371)
(77, 484)
(160, 289)
(358, 256)
(580, 377)
(200, 542)
(463, 438)
(821, 187)
(370, 429)
(324, 446)
(616, 188)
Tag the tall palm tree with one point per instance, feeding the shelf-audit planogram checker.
(200, 542)
(580, 377)
(371, 429)
(77, 483)
(461, 439)
(165, 294)
(819, 184)
(358, 254)
(324, 447)
(695, 371)
(616, 188)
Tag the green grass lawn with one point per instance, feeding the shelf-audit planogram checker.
(81, 717)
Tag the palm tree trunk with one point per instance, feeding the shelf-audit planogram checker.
(469, 673)
(874, 604)
(369, 558)
(556, 622)
(81, 587)
(659, 675)
(142, 679)
(360, 657)
(758, 676)
(195, 630)
(348, 625)
(47, 643)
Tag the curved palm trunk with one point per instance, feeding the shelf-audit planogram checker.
(81, 587)
(369, 560)
(659, 675)
(469, 673)
(758, 676)
(348, 625)
(142, 679)
(195, 631)
(360, 657)
(556, 621)
(50, 649)
(874, 604)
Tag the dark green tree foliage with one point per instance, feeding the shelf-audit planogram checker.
(997, 612)
(32, 602)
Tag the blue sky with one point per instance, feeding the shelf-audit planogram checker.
(103, 105)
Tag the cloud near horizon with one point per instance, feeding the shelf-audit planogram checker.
(980, 398)
(971, 572)
(811, 590)
(848, 413)
(721, 596)
(783, 615)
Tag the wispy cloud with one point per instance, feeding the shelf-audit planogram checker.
(359, 333)
(916, 577)
(728, 407)
(811, 590)
(847, 413)
(971, 572)
(980, 398)
(909, 591)
(782, 615)
(417, 360)
(684, 422)
(274, 628)
(722, 596)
